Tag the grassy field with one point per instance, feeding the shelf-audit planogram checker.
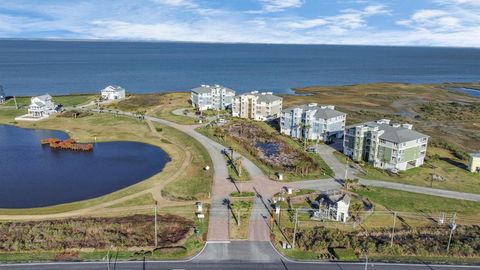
(107, 127)
(195, 182)
(146, 199)
(415, 213)
(64, 100)
(160, 105)
(440, 162)
(425, 206)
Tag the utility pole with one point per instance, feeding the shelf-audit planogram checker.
(238, 218)
(346, 172)
(393, 228)
(453, 226)
(156, 228)
(15, 100)
(295, 229)
(366, 260)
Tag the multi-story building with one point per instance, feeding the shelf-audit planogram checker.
(384, 145)
(41, 106)
(113, 92)
(313, 122)
(212, 97)
(474, 162)
(257, 106)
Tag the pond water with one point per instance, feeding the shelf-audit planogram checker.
(32, 175)
(468, 91)
(268, 148)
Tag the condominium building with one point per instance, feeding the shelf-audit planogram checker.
(313, 122)
(384, 145)
(257, 106)
(212, 97)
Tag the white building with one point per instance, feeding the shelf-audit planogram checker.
(41, 106)
(313, 122)
(393, 147)
(257, 106)
(3, 97)
(333, 207)
(113, 92)
(212, 97)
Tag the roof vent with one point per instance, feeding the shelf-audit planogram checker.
(407, 126)
(383, 121)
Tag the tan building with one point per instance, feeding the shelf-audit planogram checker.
(474, 162)
(257, 106)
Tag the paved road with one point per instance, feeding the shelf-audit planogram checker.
(236, 255)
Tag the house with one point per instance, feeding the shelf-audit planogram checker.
(474, 162)
(113, 92)
(212, 97)
(257, 106)
(3, 97)
(393, 147)
(41, 106)
(333, 206)
(313, 122)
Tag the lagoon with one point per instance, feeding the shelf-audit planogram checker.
(32, 175)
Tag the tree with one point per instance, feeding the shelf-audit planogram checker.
(356, 207)
(238, 165)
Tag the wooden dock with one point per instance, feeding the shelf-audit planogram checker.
(68, 144)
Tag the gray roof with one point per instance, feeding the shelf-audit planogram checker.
(394, 134)
(267, 98)
(323, 113)
(477, 155)
(44, 97)
(208, 88)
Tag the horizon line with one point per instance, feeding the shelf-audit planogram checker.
(225, 42)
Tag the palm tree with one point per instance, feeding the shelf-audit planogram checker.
(305, 130)
(238, 165)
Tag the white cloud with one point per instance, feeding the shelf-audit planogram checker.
(443, 24)
(269, 6)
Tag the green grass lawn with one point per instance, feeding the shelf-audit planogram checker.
(196, 183)
(404, 201)
(146, 199)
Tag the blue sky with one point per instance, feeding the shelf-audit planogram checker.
(366, 22)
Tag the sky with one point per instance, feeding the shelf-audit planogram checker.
(360, 22)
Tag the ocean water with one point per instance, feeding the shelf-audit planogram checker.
(33, 175)
(35, 67)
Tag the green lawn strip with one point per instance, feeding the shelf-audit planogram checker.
(242, 194)
(146, 199)
(344, 254)
(244, 177)
(404, 201)
(240, 217)
(197, 182)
